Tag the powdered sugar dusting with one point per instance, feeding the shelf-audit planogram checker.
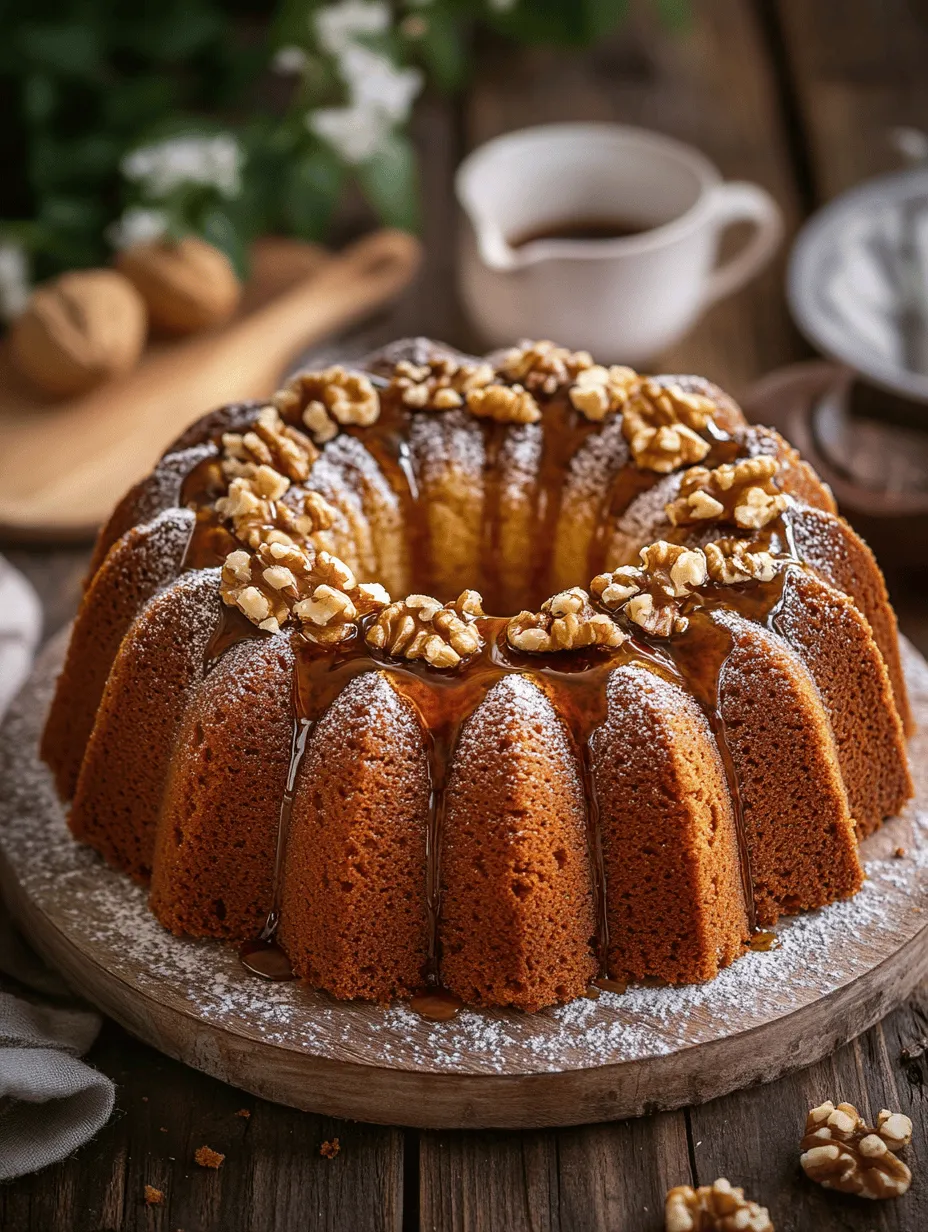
(449, 439)
(102, 911)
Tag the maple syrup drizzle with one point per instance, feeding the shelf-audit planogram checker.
(493, 441)
(577, 686)
(231, 627)
(564, 431)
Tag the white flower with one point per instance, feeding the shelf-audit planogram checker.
(137, 225)
(212, 161)
(14, 279)
(380, 93)
(338, 25)
(376, 83)
(289, 60)
(355, 133)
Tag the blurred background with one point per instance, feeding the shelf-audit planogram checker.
(204, 150)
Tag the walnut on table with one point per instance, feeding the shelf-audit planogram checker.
(839, 1151)
(543, 367)
(440, 384)
(719, 1207)
(743, 493)
(662, 424)
(323, 401)
(567, 621)
(420, 627)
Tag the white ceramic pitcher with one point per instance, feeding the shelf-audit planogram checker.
(625, 298)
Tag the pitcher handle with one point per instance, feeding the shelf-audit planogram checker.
(740, 201)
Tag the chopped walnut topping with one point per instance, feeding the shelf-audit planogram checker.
(719, 1207)
(599, 391)
(269, 442)
(731, 560)
(153, 1196)
(840, 1152)
(317, 588)
(330, 1148)
(254, 507)
(662, 424)
(743, 493)
(650, 594)
(419, 627)
(241, 585)
(566, 621)
(504, 403)
(441, 384)
(543, 367)
(324, 400)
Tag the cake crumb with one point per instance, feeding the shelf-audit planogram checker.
(244, 1112)
(330, 1148)
(206, 1157)
(153, 1197)
(162, 1129)
(899, 853)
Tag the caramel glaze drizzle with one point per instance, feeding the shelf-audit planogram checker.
(575, 681)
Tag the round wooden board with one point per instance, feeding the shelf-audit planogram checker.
(835, 973)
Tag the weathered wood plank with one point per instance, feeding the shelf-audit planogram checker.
(595, 1178)
(712, 86)
(273, 1176)
(483, 1182)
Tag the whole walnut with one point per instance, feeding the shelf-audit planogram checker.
(79, 330)
(187, 284)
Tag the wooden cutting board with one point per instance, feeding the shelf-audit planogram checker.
(64, 464)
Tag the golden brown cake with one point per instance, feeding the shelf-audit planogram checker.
(285, 708)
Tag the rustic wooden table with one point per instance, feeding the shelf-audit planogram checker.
(798, 95)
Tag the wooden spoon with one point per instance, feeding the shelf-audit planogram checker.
(64, 464)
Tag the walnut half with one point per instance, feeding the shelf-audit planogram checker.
(840, 1152)
(734, 560)
(662, 424)
(440, 384)
(543, 367)
(599, 391)
(719, 1207)
(504, 403)
(651, 595)
(324, 400)
(283, 580)
(743, 493)
(567, 621)
(419, 627)
(268, 442)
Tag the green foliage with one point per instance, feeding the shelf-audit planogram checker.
(390, 182)
(84, 82)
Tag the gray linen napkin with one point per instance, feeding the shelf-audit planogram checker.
(50, 1101)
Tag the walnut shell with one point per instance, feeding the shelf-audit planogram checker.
(79, 330)
(188, 285)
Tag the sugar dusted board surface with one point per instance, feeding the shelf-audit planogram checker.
(835, 972)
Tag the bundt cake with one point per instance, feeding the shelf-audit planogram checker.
(620, 782)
